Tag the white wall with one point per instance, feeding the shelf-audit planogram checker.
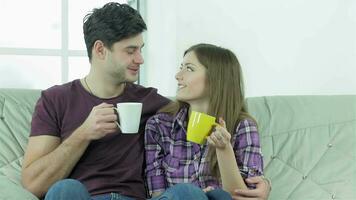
(285, 47)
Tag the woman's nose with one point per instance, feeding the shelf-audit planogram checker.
(178, 76)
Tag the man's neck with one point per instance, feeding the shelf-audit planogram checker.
(101, 87)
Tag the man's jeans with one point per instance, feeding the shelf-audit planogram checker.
(69, 189)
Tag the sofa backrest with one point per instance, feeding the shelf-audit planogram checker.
(308, 142)
(16, 108)
(309, 145)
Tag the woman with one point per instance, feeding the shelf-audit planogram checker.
(209, 81)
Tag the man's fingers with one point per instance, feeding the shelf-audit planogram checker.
(111, 130)
(247, 193)
(243, 198)
(259, 193)
(105, 111)
(104, 105)
(254, 180)
(108, 118)
(107, 126)
(207, 189)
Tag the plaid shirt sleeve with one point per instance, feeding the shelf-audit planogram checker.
(154, 154)
(247, 149)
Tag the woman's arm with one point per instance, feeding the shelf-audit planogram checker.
(229, 171)
(245, 151)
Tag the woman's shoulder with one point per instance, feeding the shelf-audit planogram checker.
(246, 125)
(159, 125)
(246, 133)
(161, 119)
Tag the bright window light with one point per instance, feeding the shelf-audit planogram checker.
(42, 42)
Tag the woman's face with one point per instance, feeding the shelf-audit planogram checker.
(191, 79)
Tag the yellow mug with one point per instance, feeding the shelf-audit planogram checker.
(199, 127)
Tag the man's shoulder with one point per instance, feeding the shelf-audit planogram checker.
(132, 87)
(60, 90)
(141, 92)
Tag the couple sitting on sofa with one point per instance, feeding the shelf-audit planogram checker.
(76, 151)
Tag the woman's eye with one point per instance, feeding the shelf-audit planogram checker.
(190, 69)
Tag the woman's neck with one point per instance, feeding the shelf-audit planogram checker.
(199, 106)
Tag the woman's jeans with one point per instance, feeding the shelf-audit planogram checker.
(69, 189)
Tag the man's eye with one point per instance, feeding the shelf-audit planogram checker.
(130, 52)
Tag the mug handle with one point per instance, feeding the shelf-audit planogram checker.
(117, 114)
(215, 124)
(118, 125)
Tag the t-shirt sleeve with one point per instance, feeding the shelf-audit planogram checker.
(157, 100)
(44, 119)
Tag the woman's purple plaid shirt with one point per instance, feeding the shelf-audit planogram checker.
(171, 159)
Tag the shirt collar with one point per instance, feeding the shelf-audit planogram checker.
(180, 120)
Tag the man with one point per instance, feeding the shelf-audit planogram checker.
(75, 150)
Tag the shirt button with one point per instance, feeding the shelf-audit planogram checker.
(304, 177)
(330, 145)
(333, 196)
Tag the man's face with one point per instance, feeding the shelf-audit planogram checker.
(124, 59)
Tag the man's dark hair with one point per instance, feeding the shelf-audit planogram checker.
(111, 23)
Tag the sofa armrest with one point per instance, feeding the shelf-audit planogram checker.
(11, 190)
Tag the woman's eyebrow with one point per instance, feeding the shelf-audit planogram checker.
(188, 64)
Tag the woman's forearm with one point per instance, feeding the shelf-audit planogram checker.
(229, 171)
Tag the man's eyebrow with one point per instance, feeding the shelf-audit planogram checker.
(134, 47)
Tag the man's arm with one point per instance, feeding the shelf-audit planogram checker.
(47, 160)
(263, 188)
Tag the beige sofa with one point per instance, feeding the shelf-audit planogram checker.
(308, 142)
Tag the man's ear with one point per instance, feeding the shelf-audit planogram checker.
(99, 49)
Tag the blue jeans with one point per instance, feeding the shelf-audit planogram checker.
(68, 189)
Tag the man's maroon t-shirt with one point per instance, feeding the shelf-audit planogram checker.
(113, 163)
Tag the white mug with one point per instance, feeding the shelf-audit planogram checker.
(129, 117)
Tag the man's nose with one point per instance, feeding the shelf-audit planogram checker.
(139, 58)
